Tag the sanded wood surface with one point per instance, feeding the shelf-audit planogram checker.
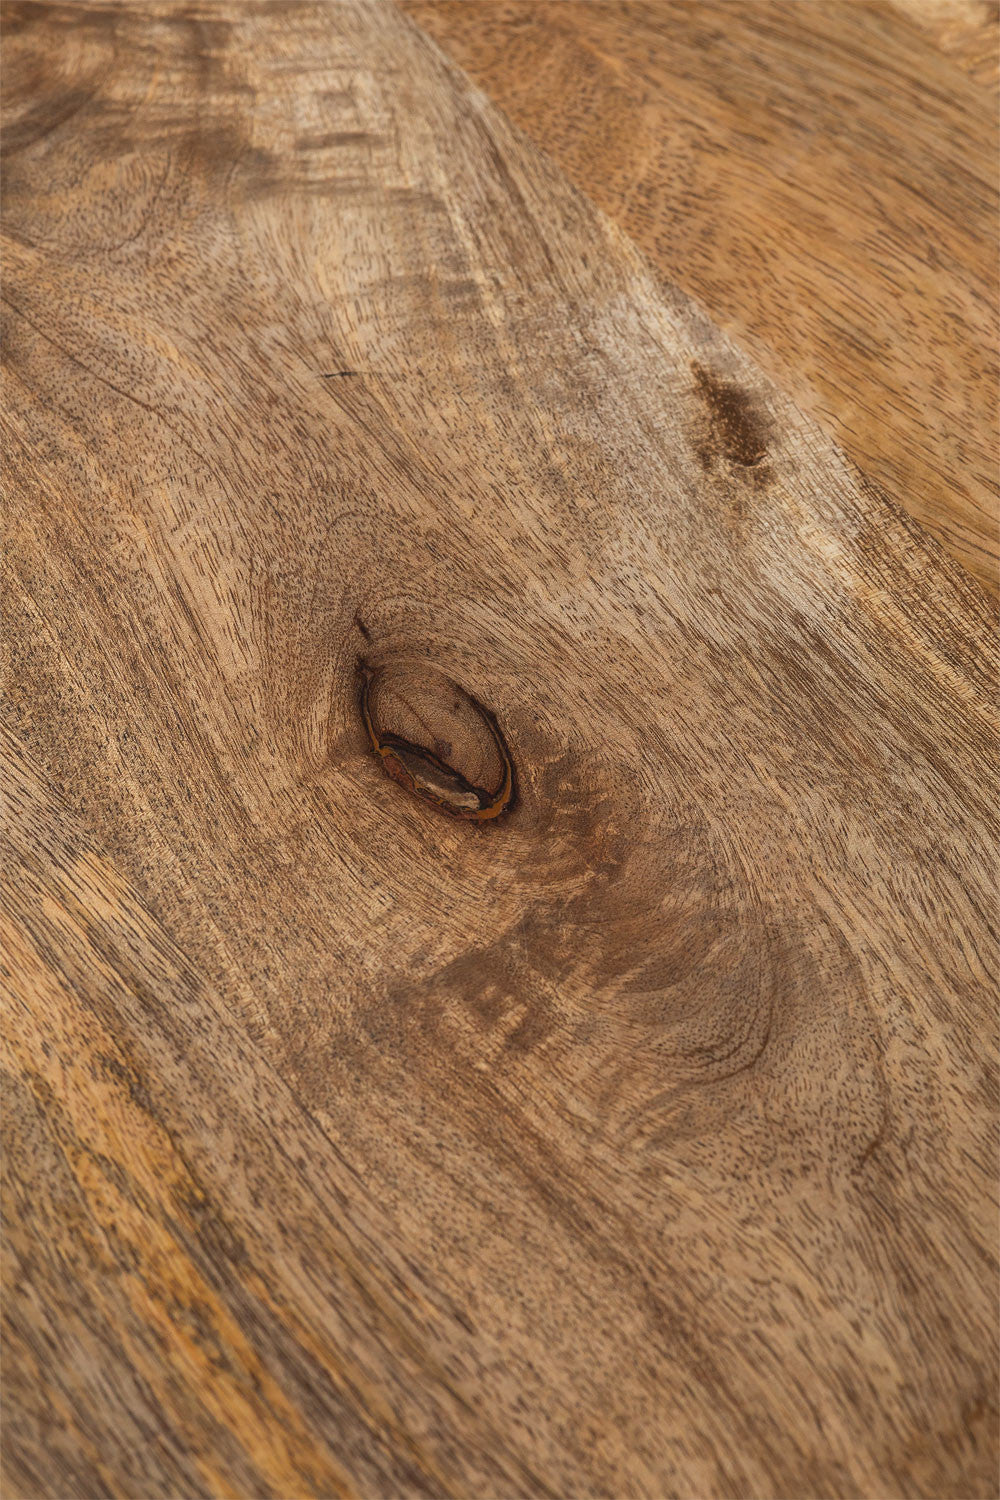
(361, 475)
(821, 175)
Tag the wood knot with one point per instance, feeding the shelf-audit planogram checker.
(436, 740)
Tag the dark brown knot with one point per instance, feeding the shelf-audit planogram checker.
(469, 772)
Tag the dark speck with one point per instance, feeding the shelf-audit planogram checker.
(738, 430)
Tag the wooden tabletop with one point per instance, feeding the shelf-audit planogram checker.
(499, 833)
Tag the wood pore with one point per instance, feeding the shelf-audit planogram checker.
(636, 1142)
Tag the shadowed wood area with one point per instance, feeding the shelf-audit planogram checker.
(821, 175)
(635, 1140)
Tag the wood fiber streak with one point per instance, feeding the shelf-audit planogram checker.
(637, 1143)
(821, 175)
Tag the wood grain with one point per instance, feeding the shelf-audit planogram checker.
(638, 1142)
(964, 29)
(821, 175)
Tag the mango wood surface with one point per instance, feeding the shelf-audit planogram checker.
(821, 175)
(638, 1141)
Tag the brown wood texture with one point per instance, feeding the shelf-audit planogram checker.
(963, 29)
(638, 1141)
(821, 175)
